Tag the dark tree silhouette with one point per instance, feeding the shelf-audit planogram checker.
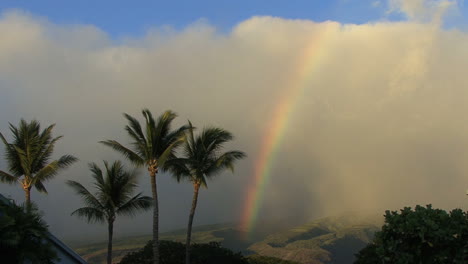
(151, 147)
(113, 197)
(28, 157)
(203, 159)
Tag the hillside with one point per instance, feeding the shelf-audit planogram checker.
(332, 240)
(328, 240)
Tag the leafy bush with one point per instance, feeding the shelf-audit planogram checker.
(23, 235)
(211, 253)
(174, 253)
(257, 259)
(425, 235)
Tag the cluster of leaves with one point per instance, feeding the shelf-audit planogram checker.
(257, 259)
(422, 235)
(23, 235)
(174, 253)
(210, 253)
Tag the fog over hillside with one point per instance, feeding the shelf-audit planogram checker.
(381, 123)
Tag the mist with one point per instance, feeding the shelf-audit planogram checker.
(381, 124)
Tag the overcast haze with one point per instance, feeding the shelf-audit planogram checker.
(382, 123)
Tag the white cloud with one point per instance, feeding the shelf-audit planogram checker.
(422, 10)
(376, 3)
(381, 122)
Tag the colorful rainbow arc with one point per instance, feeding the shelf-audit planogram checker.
(310, 59)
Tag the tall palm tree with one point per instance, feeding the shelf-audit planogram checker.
(28, 157)
(151, 147)
(113, 197)
(203, 160)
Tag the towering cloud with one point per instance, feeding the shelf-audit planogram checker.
(380, 120)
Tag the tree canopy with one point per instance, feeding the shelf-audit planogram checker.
(423, 235)
(23, 235)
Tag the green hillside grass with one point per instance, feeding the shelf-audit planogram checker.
(323, 241)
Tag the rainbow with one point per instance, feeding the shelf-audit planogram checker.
(310, 58)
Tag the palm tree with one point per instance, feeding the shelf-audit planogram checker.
(113, 197)
(151, 148)
(203, 160)
(28, 157)
(23, 235)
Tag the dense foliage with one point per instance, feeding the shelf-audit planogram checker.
(257, 259)
(174, 253)
(422, 235)
(211, 253)
(23, 236)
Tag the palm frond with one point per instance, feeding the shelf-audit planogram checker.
(11, 156)
(128, 153)
(135, 204)
(40, 187)
(52, 169)
(66, 160)
(134, 128)
(213, 138)
(151, 137)
(99, 183)
(179, 169)
(7, 178)
(115, 186)
(162, 137)
(22, 160)
(91, 214)
(88, 198)
(169, 152)
(203, 159)
(44, 153)
(225, 161)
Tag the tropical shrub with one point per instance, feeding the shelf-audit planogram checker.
(23, 235)
(422, 235)
(174, 253)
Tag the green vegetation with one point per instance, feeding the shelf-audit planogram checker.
(115, 187)
(151, 149)
(257, 259)
(338, 241)
(23, 235)
(28, 157)
(422, 235)
(210, 253)
(202, 161)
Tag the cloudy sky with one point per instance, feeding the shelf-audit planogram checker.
(378, 96)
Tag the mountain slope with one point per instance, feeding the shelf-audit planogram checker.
(331, 240)
(328, 240)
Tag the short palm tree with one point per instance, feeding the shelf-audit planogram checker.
(151, 147)
(23, 235)
(28, 157)
(203, 159)
(113, 197)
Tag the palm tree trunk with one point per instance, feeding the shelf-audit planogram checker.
(155, 218)
(196, 187)
(27, 192)
(109, 243)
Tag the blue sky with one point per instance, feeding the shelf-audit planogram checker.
(120, 17)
